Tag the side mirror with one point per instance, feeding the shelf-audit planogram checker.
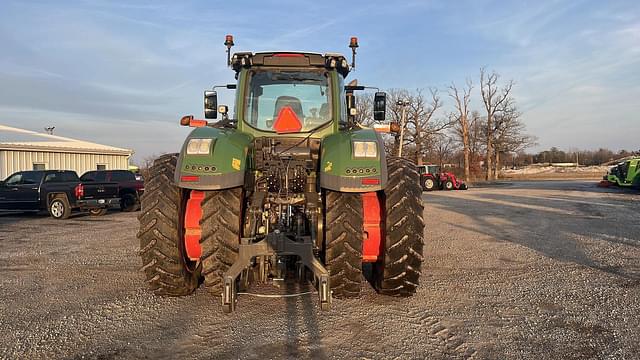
(379, 106)
(351, 104)
(210, 104)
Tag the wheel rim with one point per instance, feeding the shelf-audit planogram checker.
(449, 185)
(57, 209)
(428, 184)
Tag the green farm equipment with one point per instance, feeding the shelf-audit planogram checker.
(289, 187)
(625, 174)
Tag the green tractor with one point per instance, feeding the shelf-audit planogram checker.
(290, 187)
(625, 174)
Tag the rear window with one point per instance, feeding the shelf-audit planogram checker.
(98, 176)
(122, 176)
(66, 176)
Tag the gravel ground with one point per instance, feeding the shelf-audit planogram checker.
(544, 270)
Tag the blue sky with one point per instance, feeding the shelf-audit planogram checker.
(123, 72)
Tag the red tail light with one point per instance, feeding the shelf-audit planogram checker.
(370, 181)
(187, 178)
(79, 191)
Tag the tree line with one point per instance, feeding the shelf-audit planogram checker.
(601, 156)
(435, 133)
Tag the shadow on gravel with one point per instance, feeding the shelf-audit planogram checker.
(14, 217)
(549, 232)
(7, 218)
(295, 348)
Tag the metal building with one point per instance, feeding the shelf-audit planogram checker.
(29, 150)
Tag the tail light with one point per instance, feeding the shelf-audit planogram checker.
(79, 191)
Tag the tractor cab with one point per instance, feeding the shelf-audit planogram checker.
(429, 169)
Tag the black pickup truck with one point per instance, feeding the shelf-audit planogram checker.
(57, 191)
(130, 186)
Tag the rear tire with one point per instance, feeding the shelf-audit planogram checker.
(220, 241)
(164, 264)
(59, 208)
(429, 184)
(398, 273)
(128, 203)
(344, 230)
(98, 212)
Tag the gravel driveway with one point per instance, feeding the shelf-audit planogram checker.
(540, 270)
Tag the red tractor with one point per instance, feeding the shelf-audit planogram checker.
(431, 178)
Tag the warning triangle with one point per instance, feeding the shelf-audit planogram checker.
(287, 121)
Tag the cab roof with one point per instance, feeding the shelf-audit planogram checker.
(290, 59)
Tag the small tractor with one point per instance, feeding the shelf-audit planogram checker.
(431, 178)
(624, 174)
(290, 187)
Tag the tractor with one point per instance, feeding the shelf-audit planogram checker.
(624, 174)
(432, 178)
(289, 188)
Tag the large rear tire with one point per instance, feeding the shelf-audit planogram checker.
(429, 184)
(220, 241)
(166, 269)
(343, 242)
(398, 273)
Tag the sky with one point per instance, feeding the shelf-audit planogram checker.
(122, 73)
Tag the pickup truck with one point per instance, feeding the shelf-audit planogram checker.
(57, 191)
(130, 187)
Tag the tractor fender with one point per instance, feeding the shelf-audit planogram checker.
(222, 168)
(341, 170)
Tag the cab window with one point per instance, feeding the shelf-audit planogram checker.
(14, 179)
(31, 178)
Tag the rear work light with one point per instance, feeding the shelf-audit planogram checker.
(79, 190)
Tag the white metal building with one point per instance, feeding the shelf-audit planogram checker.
(29, 150)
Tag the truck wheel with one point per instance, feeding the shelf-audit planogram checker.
(344, 230)
(429, 184)
(220, 224)
(166, 268)
(98, 212)
(398, 273)
(448, 185)
(59, 208)
(128, 203)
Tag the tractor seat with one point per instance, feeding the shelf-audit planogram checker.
(290, 101)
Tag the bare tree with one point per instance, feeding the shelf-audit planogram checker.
(462, 98)
(364, 107)
(422, 121)
(509, 134)
(442, 148)
(146, 164)
(495, 101)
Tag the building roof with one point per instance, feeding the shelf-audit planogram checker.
(19, 139)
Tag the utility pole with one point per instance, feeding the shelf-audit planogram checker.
(404, 104)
